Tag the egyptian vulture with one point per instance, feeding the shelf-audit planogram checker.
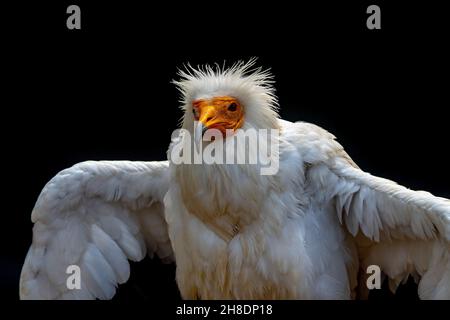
(307, 230)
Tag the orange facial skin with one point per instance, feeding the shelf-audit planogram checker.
(220, 113)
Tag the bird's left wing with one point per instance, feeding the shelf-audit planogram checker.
(402, 231)
(89, 220)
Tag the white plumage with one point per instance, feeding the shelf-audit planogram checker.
(308, 232)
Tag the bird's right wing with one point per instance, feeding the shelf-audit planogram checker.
(89, 220)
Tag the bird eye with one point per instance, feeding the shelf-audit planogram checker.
(232, 107)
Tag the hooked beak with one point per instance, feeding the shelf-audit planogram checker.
(199, 131)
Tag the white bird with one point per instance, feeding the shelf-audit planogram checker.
(309, 231)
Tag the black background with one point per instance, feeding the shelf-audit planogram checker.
(104, 93)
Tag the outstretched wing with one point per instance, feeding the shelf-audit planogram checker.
(95, 216)
(404, 232)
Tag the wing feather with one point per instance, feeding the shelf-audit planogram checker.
(404, 232)
(408, 231)
(96, 215)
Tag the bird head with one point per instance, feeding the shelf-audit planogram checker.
(227, 99)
